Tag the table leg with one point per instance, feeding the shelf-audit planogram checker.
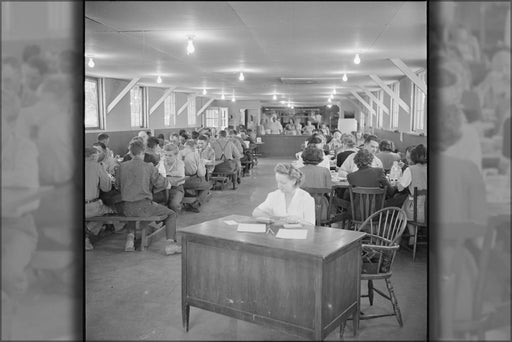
(185, 314)
(355, 319)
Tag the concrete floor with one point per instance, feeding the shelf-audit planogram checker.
(137, 296)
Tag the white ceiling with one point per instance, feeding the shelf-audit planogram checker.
(268, 41)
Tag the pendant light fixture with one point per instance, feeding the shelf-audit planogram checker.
(241, 77)
(233, 97)
(91, 63)
(345, 78)
(334, 91)
(357, 60)
(274, 97)
(190, 46)
(159, 79)
(223, 97)
(204, 91)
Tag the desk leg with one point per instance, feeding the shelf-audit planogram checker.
(185, 314)
(355, 319)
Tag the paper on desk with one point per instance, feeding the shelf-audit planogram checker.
(231, 223)
(299, 234)
(252, 227)
(292, 225)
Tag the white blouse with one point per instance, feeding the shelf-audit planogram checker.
(302, 205)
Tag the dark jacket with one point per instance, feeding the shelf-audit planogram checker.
(369, 177)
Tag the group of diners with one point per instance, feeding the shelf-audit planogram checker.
(374, 163)
(156, 173)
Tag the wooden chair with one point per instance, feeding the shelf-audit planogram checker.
(364, 202)
(319, 194)
(454, 237)
(417, 223)
(384, 229)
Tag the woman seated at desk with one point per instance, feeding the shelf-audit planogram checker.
(289, 203)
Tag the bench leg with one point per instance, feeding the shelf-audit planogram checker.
(143, 238)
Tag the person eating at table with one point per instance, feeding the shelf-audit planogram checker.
(196, 170)
(414, 176)
(207, 154)
(289, 203)
(136, 178)
(371, 144)
(348, 146)
(174, 167)
(365, 176)
(315, 176)
(316, 142)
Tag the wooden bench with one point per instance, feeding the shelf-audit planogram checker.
(223, 178)
(109, 219)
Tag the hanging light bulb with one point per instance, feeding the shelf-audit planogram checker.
(329, 105)
(331, 97)
(223, 97)
(274, 97)
(282, 102)
(329, 100)
(357, 60)
(345, 78)
(190, 46)
(241, 77)
(334, 91)
(159, 80)
(233, 97)
(91, 63)
(292, 106)
(204, 91)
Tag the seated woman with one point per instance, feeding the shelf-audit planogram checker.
(414, 176)
(366, 176)
(316, 142)
(289, 203)
(316, 177)
(386, 154)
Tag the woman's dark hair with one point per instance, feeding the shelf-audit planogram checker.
(312, 156)
(314, 140)
(419, 154)
(363, 158)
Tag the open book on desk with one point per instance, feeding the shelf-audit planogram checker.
(17, 201)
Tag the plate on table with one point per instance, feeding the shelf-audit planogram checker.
(265, 220)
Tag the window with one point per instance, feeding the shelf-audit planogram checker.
(419, 98)
(93, 104)
(137, 107)
(395, 108)
(216, 117)
(170, 111)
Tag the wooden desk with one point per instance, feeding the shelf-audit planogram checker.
(304, 287)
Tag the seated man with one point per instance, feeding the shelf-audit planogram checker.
(371, 144)
(239, 144)
(136, 179)
(105, 139)
(96, 179)
(227, 152)
(196, 170)
(148, 157)
(174, 167)
(207, 154)
(104, 158)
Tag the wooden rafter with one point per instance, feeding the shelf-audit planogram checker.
(391, 93)
(205, 106)
(160, 100)
(409, 73)
(376, 100)
(123, 92)
(363, 102)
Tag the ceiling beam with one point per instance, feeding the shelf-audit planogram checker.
(363, 102)
(161, 100)
(409, 73)
(390, 92)
(205, 106)
(123, 92)
(182, 108)
(375, 99)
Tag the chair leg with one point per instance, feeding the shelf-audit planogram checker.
(370, 291)
(143, 238)
(394, 302)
